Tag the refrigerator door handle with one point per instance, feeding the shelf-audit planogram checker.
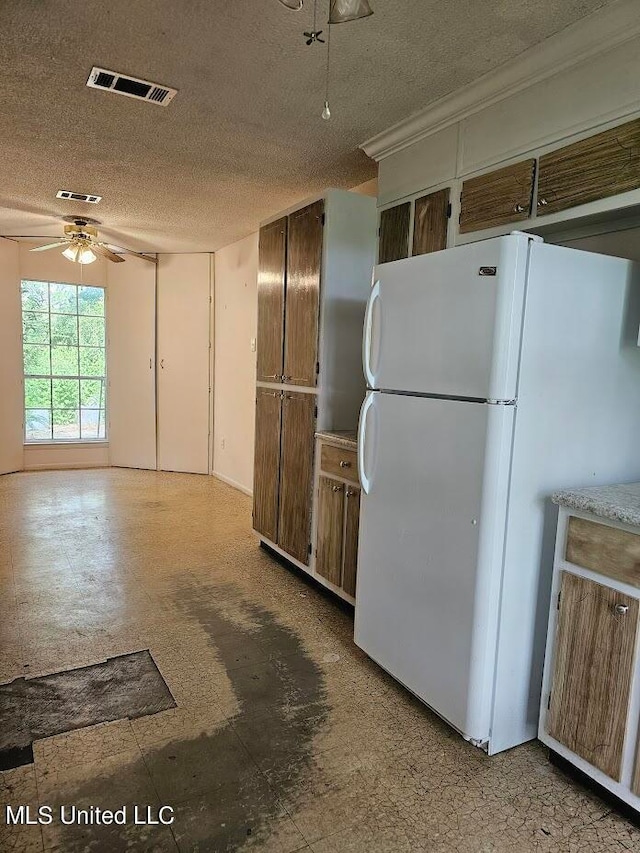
(374, 297)
(365, 482)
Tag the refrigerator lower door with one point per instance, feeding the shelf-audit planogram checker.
(435, 479)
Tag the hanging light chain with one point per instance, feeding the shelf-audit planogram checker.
(326, 112)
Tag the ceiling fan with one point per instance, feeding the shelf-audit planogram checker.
(82, 245)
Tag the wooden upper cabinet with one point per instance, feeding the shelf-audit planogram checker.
(597, 167)
(330, 529)
(272, 264)
(304, 263)
(266, 470)
(431, 218)
(594, 650)
(296, 471)
(497, 198)
(352, 521)
(394, 233)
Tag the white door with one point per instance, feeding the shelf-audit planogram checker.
(183, 362)
(131, 344)
(434, 475)
(11, 369)
(449, 323)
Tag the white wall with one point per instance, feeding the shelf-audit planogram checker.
(235, 311)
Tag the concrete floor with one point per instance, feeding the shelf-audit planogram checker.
(285, 737)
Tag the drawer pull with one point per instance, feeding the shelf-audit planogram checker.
(621, 609)
(345, 464)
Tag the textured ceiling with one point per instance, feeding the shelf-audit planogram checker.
(243, 138)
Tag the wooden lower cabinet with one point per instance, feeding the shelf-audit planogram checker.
(330, 529)
(266, 474)
(352, 522)
(593, 667)
(296, 472)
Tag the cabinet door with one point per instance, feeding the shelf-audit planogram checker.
(597, 167)
(266, 470)
(394, 233)
(330, 529)
(351, 540)
(431, 217)
(296, 469)
(594, 649)
(498, 198)
(304, 263)
(272, 263)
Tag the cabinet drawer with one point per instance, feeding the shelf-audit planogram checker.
(339, 461)
(603, 549)
(598, 167)
(497, 198)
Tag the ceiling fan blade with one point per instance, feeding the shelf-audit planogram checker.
(106, 253)
(50, 246)
(139, 255)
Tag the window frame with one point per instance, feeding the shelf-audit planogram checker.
(81, 440)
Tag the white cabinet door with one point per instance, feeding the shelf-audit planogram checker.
(131, 401)
(11, 370)
(432, 517)
(183, 362)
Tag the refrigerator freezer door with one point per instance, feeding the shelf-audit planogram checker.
(430, 551)
(449, 323)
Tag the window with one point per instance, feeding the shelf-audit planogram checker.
(64, 361)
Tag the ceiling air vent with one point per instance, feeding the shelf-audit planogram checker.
(132, 87)
(92, 199)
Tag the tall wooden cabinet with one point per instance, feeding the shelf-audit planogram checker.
(315, 268)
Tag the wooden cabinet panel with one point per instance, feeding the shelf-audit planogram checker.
(304, 262)
(607, 550)
(296, 469)
(430, 221)
(330, 529)
(272, 260)
(339, 461)
(598, 167)
(497, 198)
(594, 651)
(266, 476)
(394, 233)
(352, 521)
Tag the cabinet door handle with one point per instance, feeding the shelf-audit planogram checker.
(518, 208)
(345, 464)
(542, 202)
(275, 376)
(285, 378)
(336, 488)
(621, 609)
(350, 493)
(162, 363)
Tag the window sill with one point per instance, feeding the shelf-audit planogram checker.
(91, 442)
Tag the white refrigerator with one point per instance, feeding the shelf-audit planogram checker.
(498, 371)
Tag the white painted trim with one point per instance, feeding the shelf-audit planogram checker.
(66, 466)
(604, 29)
(233, 483)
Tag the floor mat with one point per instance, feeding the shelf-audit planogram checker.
(127, 686)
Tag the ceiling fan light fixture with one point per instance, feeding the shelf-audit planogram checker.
(71, 252)
(342, 11)
(86, 256)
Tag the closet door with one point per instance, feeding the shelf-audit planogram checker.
(131, 363)
(11, 369)
(266, 477)
(183, 362)
(296, 471)
(304, 262)
(272, 263)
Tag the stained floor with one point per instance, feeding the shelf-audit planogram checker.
(285, 737)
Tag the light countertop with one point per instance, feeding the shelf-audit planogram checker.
(619, 503)
(345, 438)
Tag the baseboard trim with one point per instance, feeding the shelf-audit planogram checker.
(233, 483)
(65, 466)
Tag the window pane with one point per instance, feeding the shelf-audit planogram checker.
(36, 360)
(91, 362)
(65, 424)
(66, 393)
(38, 424)
(91, 331)
(37, 393)
(91, 300)
(91, 393)
(35, 328)
(64, 298)
(92, 423)
(64, 330)
(35, 296)
(64, 361)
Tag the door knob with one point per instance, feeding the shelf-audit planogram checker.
(345, 464)
(621, 609)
